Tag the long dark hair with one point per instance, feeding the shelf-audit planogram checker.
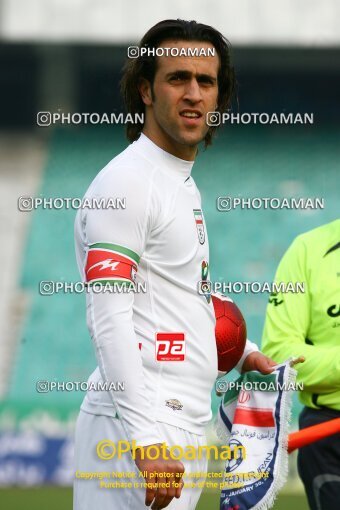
(145, 67)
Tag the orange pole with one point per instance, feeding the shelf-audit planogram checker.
(311, 434)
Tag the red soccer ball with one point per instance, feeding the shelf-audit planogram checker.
(230, 332)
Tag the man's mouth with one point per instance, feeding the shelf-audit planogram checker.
(191, 114)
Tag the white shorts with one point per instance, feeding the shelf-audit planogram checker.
(89, 494)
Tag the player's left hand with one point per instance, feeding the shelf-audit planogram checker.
(258, 361)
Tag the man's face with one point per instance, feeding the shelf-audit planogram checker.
(185, 88)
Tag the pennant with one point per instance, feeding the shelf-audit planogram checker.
(255, 414)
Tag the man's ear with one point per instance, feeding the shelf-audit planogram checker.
(144, 88)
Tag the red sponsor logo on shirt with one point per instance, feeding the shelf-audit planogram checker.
(170, 346)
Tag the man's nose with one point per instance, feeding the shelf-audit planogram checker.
(192, 91)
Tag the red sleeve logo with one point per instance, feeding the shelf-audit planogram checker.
(104, 264)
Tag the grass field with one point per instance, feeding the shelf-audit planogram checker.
(51, 498)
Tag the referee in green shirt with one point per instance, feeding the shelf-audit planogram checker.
(308, 324)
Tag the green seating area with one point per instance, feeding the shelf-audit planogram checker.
(245, 245)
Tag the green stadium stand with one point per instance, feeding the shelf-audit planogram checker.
(245, 245)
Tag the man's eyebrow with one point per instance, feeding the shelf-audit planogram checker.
(187, 74)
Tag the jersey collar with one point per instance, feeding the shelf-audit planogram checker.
(162, 158)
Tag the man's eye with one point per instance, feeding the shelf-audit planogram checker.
(206, 82)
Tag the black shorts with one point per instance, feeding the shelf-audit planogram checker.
(319, 463)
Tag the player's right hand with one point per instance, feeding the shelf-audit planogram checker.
(172, 471)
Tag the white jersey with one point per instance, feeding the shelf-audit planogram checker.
(159, 343)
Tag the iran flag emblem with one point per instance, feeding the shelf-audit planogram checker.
(199, 225)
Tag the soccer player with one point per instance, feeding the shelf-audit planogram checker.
(308, 324)
(160, 240)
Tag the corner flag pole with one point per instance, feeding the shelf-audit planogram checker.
(314, 433)
(311, 434)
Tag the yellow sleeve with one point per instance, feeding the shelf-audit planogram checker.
(287, 323)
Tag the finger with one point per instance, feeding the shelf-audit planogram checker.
(150, 491)
(160, 498)
(271, 362)
(165, 501)
(171, 491)
(266, 365)
(164, 497)
(179, 480)
(179, 489)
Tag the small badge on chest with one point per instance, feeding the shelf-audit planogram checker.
(199, 225)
